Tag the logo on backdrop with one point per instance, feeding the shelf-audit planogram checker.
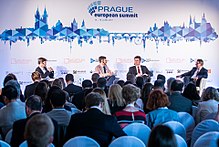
(92, 60)
(108, 12)
(202, 32)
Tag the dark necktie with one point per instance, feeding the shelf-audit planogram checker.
(139, 70)
(104, 69)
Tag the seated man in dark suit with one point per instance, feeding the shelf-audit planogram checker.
(94, 123)
(71, 87)
(43, 70)
(196, 74)
(138, 69)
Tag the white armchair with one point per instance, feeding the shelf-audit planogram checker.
(201, 86)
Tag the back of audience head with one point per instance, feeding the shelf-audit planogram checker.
(9, 77)
(87, 84)
(9, 93)
(157, 99)
(210, 93)
(121, 82)
(93, 99)
(169, 82)
(177, 85)
(139, 82)
(69, 78)
(162, 77)
(33, 104)
(36, 76)
(41, 90)
(191, 92)
(16, 85)
(58, 83)
(147, 88)
(159, 84)
(101, 82)
(131, 78)
(95, 77)
(58, 98)
(146, 78)
(162, 136)
(131, 93)
(39, 131)
(115, 95)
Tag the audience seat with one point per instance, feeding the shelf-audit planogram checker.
(204, 127)
(139, 130)
(4, 144)
(180, 141)
(24, 144)
(127, 141)
(194, 111)
(208, 139)
(81, 141)
(188, 122)
(177, 128)
(202, 85)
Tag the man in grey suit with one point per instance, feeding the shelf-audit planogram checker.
(138, 69)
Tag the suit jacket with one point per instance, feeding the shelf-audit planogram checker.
(30, 89)
(144, 69)
(46, 74)
(19, 128)
(94, 124)
(180, 103)
(99, 69)
(72, 89)
(203, 73)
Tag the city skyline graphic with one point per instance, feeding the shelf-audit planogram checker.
(202, 32)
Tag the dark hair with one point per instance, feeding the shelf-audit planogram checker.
(9, 77)
(162, 136)
(162, 77)
(157, 99)
(10, 92)
(41, 90)
(101, 82)
(93, 99)
(58, 98)
(200, 61)
(131, 93)
(101, 58)
(69, 77)
(139, 82)
(41, 60)
(58, 83)
(34, 103)
(121, 82)
(95, 77)
(191, 92)
(87, 84)
(139, 57)
(147, 88)
(177, 85)
(210, 93)
(159, 84)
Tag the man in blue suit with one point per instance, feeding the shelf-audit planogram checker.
(196, 74)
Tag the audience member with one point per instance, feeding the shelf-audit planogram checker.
(116, 101)
(121, 82)
(101, 83)
(196, 74)
(169, 82)
(71, 87)
(139, 82)
(138, 69)
(58, 112)
(157, 103)
(159, 84)
(209, 104)
(162, 77)
(148, 87)
(29, 89)
(131, 78)
(94, 78)
(106, 108)
(79, 98)
(33, 106)
(162, 136)
(191, 93)
(178, 102)
(13, 110)
(94, 123)
(43, 70)
(58, 83)
(41, 90)
(39, 131)
(130, 113)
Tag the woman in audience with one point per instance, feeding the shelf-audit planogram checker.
(116, 101)
(41, 90)
(130, 113)
(191, 93)
(145, 93)
(106, 108)
(162, 136)
(209, 104)
(158, 102)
